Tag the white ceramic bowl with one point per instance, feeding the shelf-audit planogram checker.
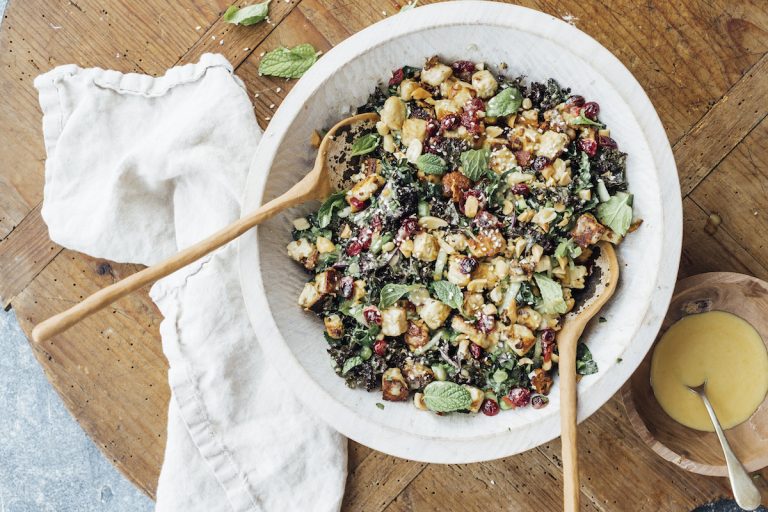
(531, 43)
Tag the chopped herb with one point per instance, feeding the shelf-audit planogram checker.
(288, 63)
(249, 15)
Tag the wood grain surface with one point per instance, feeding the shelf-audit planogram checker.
(703, 63)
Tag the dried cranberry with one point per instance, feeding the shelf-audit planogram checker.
(486, 219)
(476, 350)
(575, 101)
(523, 157)
(463, 69)
(450, 122)
(471, 121)
(354, 248)
(397, 76)
(433, 145)
(519, 397)
(547, 344)
(474, 105)
(357, 204)
(606, 142)
(346, 287)
(372, 315)
(588, 146)
(591, 110)
(380, 347)
(468, 264)
(365, 237)
(548, 336)
(541, 162)
(490, 407)
(376, 223)
(521, 189)
(485, 323)
(433, 126)
(539, 402)
(408, 227)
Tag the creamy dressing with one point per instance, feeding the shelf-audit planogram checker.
(721, 349)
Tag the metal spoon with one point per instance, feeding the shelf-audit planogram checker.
(602, 284)
(744, 490)
(328, 172)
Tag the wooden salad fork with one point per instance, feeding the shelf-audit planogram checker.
(605, 275)
(318, 184)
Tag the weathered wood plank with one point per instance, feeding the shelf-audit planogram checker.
(377, 480)
(738, 192)
(109, 369)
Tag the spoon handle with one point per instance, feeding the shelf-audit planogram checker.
(104, 297)
(567, 341)
(744, 490)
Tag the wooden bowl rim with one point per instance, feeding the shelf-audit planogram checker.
(637, 421)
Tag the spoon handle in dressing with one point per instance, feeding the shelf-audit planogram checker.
(744, 490)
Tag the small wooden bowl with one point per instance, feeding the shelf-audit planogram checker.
(690, 449)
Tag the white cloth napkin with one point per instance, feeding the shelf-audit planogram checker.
(138, 168)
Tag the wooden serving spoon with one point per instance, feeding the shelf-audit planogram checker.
(327, 174)
(605, 275)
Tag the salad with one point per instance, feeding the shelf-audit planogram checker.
(442, 275)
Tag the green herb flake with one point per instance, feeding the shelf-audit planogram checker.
(409, 6)
(431, 164)
(585, 365)
(567, 248)
(392, 292)
(583, 120)
(446, 396)
(616, 213)
(288, 63)
(602, 320)
(551, 295)
(448, 293)
(380, 405)
(474, 163)
(505, 103)
(365, 144)
(619, 360)
(351, 363)
(325, 213)
(249, 15)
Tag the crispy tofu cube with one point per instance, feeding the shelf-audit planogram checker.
(455, 273)
(529, 317)
(393, 113)
(303, 251)
(334, 326)
(461, 326)
(587, 230)
(487, 243)
(327, 281)
(521, 340)
(425, 247)
(484, 83)
(414, 129)
(416, 335)
(407, 87)
(551, 144)
(324, 245)
(309, 296)
(434, 312)
(365, 188)
(502, 160)
(477, 396)
(416, 374)
(394, 388)
(445, 107)
(436, 74)
(418, 402)
(393, 321)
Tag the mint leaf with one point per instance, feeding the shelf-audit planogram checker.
(365, 144)
(474, 163)
(584, 120)
(285, 63)
(446, 396)
(616, 213)
(585, 365)
(505, 103)
(351, 363)
(448, 293)
(352, 310)
(551, 295)
(325, 213)
(430, 164)
(567, 248)
(249, 15)
(392, 293)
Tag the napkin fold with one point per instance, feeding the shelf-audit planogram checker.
(138, 168)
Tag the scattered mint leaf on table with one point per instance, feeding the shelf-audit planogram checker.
(249, 15)
(288, 63)
(409, 6)
(446, 396)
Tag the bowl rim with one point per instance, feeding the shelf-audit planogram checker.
(639, 423)
(461, 13)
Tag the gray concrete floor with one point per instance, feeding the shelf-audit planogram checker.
(47, 462)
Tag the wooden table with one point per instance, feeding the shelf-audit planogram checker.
(704, 65)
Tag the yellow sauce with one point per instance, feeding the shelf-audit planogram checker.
(721, 349)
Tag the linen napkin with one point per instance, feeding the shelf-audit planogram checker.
(137, 169)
